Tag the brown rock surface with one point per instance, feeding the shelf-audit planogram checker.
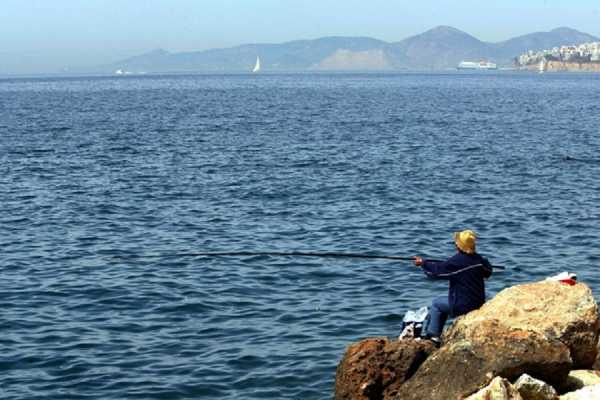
(463, 366)
(376, 367)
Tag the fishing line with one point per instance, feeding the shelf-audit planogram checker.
(299, 254)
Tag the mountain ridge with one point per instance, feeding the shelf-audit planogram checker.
(439, 48)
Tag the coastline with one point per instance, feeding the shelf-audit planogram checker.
(563, 66)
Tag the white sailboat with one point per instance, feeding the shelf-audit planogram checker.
(257, 66)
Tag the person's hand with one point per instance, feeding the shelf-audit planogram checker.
(418, 261)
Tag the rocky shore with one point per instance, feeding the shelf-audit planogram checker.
(564, 66)
(535, 341)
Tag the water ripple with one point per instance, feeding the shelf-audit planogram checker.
(105, 181)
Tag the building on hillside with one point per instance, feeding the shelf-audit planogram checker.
(583, 53)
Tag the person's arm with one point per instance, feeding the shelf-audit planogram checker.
(435, 269)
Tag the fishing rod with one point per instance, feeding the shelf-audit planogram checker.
(303, 254)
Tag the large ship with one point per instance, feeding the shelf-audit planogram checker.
(477, 65)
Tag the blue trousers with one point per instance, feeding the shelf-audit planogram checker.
(438, 314)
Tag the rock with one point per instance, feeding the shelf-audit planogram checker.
(498, 389)
(542, 329)
(578, 379)
(596, 365)
(376, 366)
(464, 365)
(555, 310)
(534, 389)
(587, 393)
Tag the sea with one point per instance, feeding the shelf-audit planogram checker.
(108, 185)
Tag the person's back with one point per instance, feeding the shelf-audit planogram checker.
(466, 272)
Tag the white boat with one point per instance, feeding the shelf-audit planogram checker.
(257, 65)
(481, 65)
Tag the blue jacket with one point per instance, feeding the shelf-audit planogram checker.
(466, 273)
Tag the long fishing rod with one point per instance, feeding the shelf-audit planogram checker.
(305, 254)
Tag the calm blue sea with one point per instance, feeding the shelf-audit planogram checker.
(103, 181)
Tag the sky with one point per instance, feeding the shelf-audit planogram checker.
(50, 35)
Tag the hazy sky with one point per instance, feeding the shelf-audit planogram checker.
(47, 35)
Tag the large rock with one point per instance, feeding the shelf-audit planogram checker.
(463, 366)
(552, 309)
(498, 389)
(534, 389)
(374, 368)
(587, 393)
(542, 329)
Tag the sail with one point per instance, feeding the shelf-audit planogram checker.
(257, 66)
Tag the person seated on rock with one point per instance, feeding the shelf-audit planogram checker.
(466, 271)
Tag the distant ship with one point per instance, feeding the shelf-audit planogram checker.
(257, 65)
(481, 65)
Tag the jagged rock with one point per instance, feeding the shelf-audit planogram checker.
(498, 389)
(534, 389)
(587, 393)
(542, 329)
(578, 379)
(463, 366)
(555, 310)
(376, 366)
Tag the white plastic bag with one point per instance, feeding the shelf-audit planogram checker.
(414, 323)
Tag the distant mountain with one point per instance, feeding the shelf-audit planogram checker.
(542, 41)
(291, 56)
(439, 48)
(156, 59)
(347, 60)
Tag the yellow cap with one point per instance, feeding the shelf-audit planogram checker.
(465, 241)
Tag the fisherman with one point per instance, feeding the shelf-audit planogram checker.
(466, 271)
